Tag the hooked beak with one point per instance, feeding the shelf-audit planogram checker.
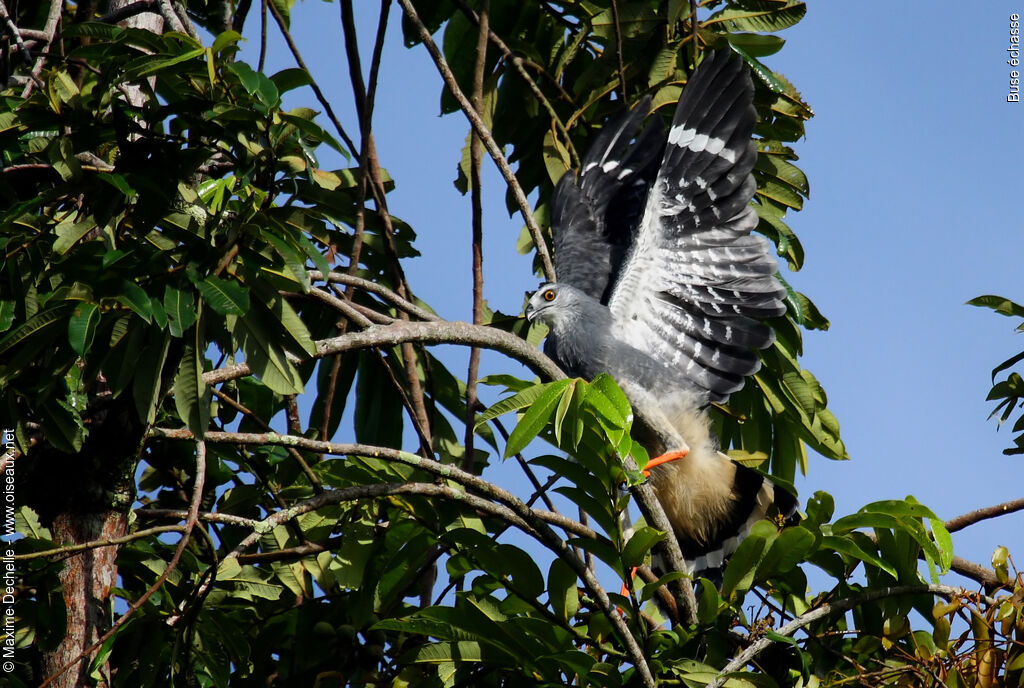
(530, 312)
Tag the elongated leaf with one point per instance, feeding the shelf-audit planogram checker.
(521, 399)
(850, 548)
(224, 296)
(146, 385)
(640, 544)
(191, 396)
(563, 595)
(33, 325)
(82, 326)
(137, 299)
(180, 308)
(266, 358)
(535, 418)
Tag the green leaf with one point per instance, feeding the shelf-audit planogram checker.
(640, 544)
(33, 326)
(521, 399)
(146, 385)
(152, 64)
(227, 297)
(761, 17)
(191, 396)
(739, 573)
(535, 418)
(792, 546)
(82, 326)
(264, 355)
(6, 314)
(62, 425)
(758, 45)
(563, 594)
(999, 304)
(70, 232)
(181, 310)
(850, 548)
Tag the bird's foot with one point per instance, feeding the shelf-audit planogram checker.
(663, 459)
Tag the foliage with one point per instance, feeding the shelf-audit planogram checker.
(180, 271)
(1010, 391)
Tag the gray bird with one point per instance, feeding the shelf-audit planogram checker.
(663, 287)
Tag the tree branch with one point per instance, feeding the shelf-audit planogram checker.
(12, 29)
(843, 605)
(321, 98)
(437, 332)
(535, 524)
(377, 289)
(972, 517)
(485, 136)
(68, 550)
(519, 64)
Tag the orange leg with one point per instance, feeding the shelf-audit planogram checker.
(664, 458)
(624, 590)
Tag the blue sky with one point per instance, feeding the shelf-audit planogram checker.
(915, 163)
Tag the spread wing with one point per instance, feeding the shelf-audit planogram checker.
(696, 281)
(593, 218)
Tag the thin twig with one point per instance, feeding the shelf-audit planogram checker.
(485, 136)
(377, 289)
(263, 36)
(321, 98)
(476, 241)
(50, 29)
(96, 544)
(828, 608)
(12, 28)
(520, 66)
(654, 514)
(295, 454)
(370, 170)
(186, 536)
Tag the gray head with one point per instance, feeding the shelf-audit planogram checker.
(557, 305)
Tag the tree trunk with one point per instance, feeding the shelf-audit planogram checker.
(90, 501)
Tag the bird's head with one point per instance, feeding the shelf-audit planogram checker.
(548, 303)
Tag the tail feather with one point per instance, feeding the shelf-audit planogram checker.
(711, 501)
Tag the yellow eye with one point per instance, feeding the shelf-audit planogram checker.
(549, 295)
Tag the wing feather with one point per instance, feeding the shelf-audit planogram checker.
(593, 217)
(696, 283)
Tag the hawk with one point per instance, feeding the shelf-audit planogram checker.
(663, 287)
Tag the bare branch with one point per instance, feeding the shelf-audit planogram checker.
(377, 289)
(977, 572)
(520, 66)
(439, 332)
(654, 514)
(972, 517)
(68, 550)
(618, 51)
(485, 136)
(12, 29)
(321, 98)
(128, 11)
